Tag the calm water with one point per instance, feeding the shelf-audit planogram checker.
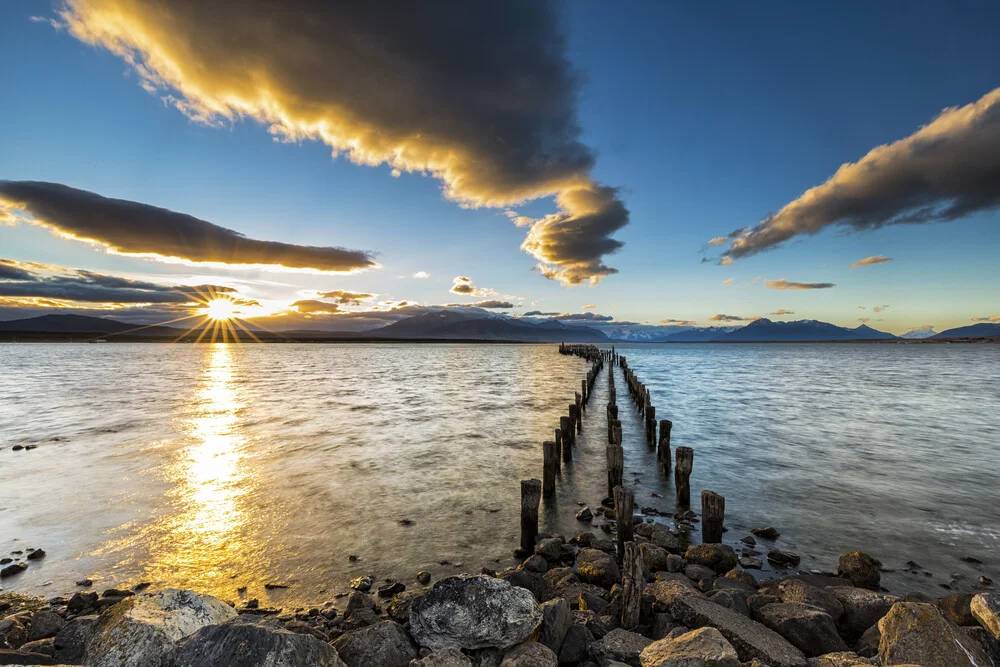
(216, 467)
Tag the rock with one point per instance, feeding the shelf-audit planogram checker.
(867, 646)
(619, 645)
(750, 563)
(862, 608)
(957, 608)
(736, 585)
(142, 629)
(743, 576)
(446, 657)
(12, 570)
(556, 621)
(13, 633)
(399, 608)
(861, 569)
(766, 533)
(530, 654)
(385, 644)
(675, 563)
(719, 557)
(985, 607)
(918, 633)
(45, 624)
(660, 626)
(597, 567)
(363, 584)
(663, 538)
(589, 601)
(549, 548)
(36, 554)
(748, 539)
(661, 594)
(531, 581)
(986, 640)
(730, 599)
(536, 564)
(71, 641)
(586, 514)
(655, 558)
(696, 572)
(811, 630)
(388, 589)
(782, 558)
(704, 647)
(749, 638)
(249, 641)
(41, 646)
(839, 659)
(9, 657)
(795, 590)
(423, 578)
(81, 602)
(303, 628)
(576, 645)
(473, 612)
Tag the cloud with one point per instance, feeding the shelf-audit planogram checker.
(538, 313)
(784, 284)
(493, 304)
(946, 170)
(589, 306)
(782, 311)
(315, 307)
(862, 308)
(718, 240)
(989, 318)
(727, 281)
(725, 261)
(463, 285)
(720, 317)
(347, 298)
(864, 319)
(571, 317)
(12, 270)
(879, 309)
(131, 228)
(680, 323)
(478, 95)
(868, 261)
(421, 275)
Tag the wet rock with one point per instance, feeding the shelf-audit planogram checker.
(862, 608)
(386, 644)
(863, 570)
(749, 638)
(735, 585)
(986, 641)
(985, 607)
(536, 564)
(812, 631)
(142, 629)
(797, 591)
(36, 554)
(957, 608)
(45, 624)
(839, 659)
(85, 583)
(748, 539)
(530, 654)
(586, 514)
(750, 563)
(363, 584)
(13, 633)
(769, 533)
(423, 577)
(576, 645)
(655, 558)
(556, 621)
(399, 608)
(71, 641)
(250, 641)
(704, 647)
(696, 572)
(663, 538)
(549, 548)
(661, 595)
(741, 576)
(985, 581)
(675, 563)
(531, 581)
(597, 567)
(474, 612)
(12, 570)
(918, 633)
(621, 646)
(446, 657)
(388, 589)
(719, 557)
(782, 558)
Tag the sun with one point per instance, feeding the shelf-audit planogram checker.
(220, 309)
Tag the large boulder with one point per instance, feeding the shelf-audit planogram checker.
(704, 647)
(473, 612)
(808, 628)
(795, 590)
(619, 646)
(597, 567)
(720, 557)
(861, 569)
(957, 608)
(654, 558)
(862, 608)
(985, 607)
(663, 538)
(530, 654)
(750, 639)
(918, 633)
(71, 640)
(45, 624)
(142, 629)
(385, 644)
(576, 644)
(556, 619)
(661, 594)
(252, 642)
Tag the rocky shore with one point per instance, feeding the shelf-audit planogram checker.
(563, 605)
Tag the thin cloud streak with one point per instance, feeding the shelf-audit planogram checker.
(783, 284)
(868, 261)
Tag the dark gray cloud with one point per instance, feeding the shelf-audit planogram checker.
(944, 171)
(347, 298)
(479, 95)
(463, 285)
(495, 304)
(12, 270)
(722, 317)
(785, 284)
(571, 317)
(539, 313)
(133, 228)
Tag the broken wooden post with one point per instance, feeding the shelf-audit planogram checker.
(564, 426)
(584, 391)
(574, 418)
(682, 475)
(713, 513)
(650, 425)
(566, 452)
(665, 426)
(616, 432)
(624, 509)
(531, 496)
(616, 467)
(549, 460)
(559, 453)
(578, 414)
(632, 585)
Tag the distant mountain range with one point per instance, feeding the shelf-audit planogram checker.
(916, 334)
(453, 325)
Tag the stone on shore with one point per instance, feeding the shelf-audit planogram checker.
(13, 633)
(12, 657)
(839, 659)
(142, 629)
(985, 607)
(719, 557)
(45, 624)
(863, 570)
(71, 641)
(655, 558)
(621, 646)
(556, 619)
(11, 570)
(661, 594)
(446, 657)
(597, 567)
(768, 533)
(918, 633)
(704, 647)
(665, 539)
(530, 654)
(811, 630)
(862, 608)
(385, 644)
(251, 641)
(957, 608)
(795, 590)
(783, 558)
(473, 612)
(576, 644)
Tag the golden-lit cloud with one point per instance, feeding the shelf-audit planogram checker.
(345, 297)
(680, 323)
(727, 281)
(718, 240)
(868, 261)
(783, 284)
(589, 306)
(571, 317)
(131, 228)
(989, 318)
(463, 285)
(944, 171)
(782, 311)
(722, 317)
(863, 320)
(421, 275)
(491, 304)
(315, 307)
(725, 261)
(879, 309)
(480, 96)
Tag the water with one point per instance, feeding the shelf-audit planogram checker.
(221, 466)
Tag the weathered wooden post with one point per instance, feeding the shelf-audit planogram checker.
(616, 467)
(713, 513)
(665, 427)
(559, 453)
(632, 585)
(549, 460)
(682, 475)
(616, 432)
(624, 509)
(578, 415)
(531, 496)
(574, 418)
(584, 391)
(566, 451)
(565, 426)
(650, 425)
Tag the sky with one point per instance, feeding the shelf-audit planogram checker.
(339, 166)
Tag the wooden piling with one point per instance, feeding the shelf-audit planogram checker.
(549, 460)
(632, 585)
(682, 475)
(665, 427)
(565, 426)
(531, 496)
(713, 513)
(574, 419)
(559, 451)
(615, 456)
(577, 414)
(584, 391)
(616, 432)
(566, 452)
(624, 509)
(650, 425)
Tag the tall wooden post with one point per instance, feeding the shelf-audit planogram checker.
(632, 585)
(616, 467)
(549, 460)
(624, 509)
(682, 475)
(578, 415)
(713, 513)
(574, 419)
(616, 432)
(584, 391)
(566, 452)
(565, 426)
(665, 427)
(650, 425)
(531, 496)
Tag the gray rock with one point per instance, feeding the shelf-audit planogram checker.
(783, 558)
(750, 563)
(839, 659)
(655, 558)
(592, 602)
(473, 612)
(385, 644)
(918, 633)
(536, 583)
(576, 645)
(446, 657)
(13, 633)
(795, 590)
(619, 645)
(41, 646)
(957, 608)
(867, 646)
(663, 538)
(142, 629)
(661, 595)
(549, 548)
(733, 600)
(363, 584)
(696, 572)
(675, 563)
(45, 624)
(12, 570)
(719, 557)
(749, 638)
(862, 608)
(727, 584)
(596, 624)
(597, 567)
(536, 564)
(985, 607)
(863, 570)
(250, 641)
(766, 533)
(423, 577)
(81, 602)
(556, 621)
(71, 640)
(586, 514)
(530, 654)
(12, 657)
(704, 647)
(399, 608)
(808, 628)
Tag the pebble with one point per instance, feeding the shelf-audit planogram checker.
(36, 554)
(85, 583)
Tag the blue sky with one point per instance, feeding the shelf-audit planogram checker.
(707, 119)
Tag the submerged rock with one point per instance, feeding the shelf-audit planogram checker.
(918, 633)
(863, 570)
(252, 642)
(704, 647)
(768, 533)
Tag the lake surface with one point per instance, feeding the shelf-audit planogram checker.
(221, 466)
